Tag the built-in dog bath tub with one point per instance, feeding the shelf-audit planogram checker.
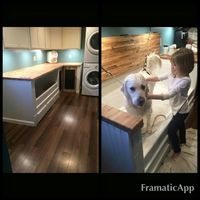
(145, 152)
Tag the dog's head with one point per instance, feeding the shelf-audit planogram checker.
(135, 89)
(153, 62)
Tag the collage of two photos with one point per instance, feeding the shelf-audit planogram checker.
(51, 99)
(100, 99)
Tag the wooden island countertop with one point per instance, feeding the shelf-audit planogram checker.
(121, 119)
(36, 71)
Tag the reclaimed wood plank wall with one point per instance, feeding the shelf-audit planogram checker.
(121, 54)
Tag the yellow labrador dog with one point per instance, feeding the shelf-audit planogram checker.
(135, 90)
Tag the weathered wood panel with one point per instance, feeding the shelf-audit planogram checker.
(123, 53)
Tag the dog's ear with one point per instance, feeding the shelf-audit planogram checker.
(125, 92)
(123, 89)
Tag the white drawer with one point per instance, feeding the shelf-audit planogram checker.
(41, 105)
(46, 107)
(43, 96)
(53, 99)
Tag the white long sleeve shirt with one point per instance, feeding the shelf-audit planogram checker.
(178, 92)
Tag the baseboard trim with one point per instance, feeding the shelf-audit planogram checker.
(17, 121)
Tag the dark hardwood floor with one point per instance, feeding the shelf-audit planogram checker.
(64, 141)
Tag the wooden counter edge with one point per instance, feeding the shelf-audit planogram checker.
(57, 67)
(32, 78)
(72, 64)
(121, 119)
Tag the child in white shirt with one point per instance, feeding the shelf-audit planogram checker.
(182, 63)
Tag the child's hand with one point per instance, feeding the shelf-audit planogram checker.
(147, 79)
(152, 78)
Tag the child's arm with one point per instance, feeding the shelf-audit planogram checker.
(157, 78)
(161, 96)
(181, 86)
(155, 96)
(152, 78)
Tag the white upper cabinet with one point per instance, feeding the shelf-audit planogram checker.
(54, 38)
(71, 37)
(16, 37)
(37, 37)
(50, 38)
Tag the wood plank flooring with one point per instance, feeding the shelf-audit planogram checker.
(65, 140)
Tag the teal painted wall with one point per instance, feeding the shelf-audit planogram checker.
(166, 33)
(114, 31)
(70, 55)
(16, 59)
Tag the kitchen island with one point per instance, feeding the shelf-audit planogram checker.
(30, 92)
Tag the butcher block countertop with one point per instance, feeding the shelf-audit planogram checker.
(36, 71)
(121, 119)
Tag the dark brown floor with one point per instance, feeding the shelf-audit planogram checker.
(65, 140)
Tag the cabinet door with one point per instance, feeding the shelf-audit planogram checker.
(41, 37)
(71, 37)
(34, 37)
(16, 37)
(53, 37)
(37, 37)
(56, 37)
(48, 38)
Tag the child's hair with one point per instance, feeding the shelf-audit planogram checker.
(184, 59)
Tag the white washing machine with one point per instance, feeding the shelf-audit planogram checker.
(90, 79)
(91, 53)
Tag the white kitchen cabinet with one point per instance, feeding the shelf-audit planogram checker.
(37, 35)
(47, 38)
(16, 37)
(53, 38)
(56, 38)
(71, 37)
(50, 38)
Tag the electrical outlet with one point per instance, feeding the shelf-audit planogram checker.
(34, 58)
